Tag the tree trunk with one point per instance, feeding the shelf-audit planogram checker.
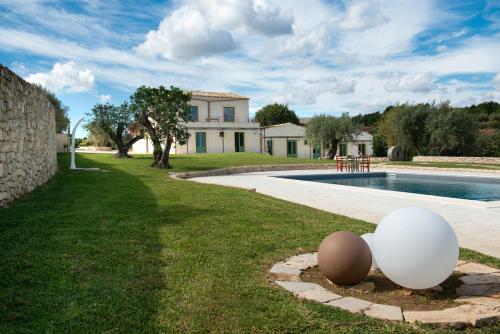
(123, 150)
(332, 149)
(122, 153)
(117, 138)
(164, 161)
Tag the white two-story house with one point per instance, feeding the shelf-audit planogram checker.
(219, 122)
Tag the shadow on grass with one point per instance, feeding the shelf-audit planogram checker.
(82, 254)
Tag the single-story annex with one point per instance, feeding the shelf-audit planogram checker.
(220, 122)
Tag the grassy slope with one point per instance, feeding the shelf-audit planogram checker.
(131, 250)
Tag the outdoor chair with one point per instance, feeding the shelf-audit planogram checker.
(341, 163)
(365, 163)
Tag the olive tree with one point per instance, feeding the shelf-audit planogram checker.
(118, 123)
(330, 131)
(163, 112)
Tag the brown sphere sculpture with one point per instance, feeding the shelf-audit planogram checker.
(344, 258)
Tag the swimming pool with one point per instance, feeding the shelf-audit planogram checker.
(473, 188)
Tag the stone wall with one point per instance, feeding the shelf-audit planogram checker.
(484, 160)
(28, 155)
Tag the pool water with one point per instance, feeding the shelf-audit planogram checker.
(473, 188)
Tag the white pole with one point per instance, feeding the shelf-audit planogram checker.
(73, 166)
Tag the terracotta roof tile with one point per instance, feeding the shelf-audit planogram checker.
(218, 95)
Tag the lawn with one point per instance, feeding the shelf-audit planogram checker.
(130, 250)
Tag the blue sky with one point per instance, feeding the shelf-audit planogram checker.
(317, 56)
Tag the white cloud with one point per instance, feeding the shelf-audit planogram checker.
(362, 15)
(413, 82)
(204, 28)
(309, 91)
(186, 34)
(65, 77)
(105, 98)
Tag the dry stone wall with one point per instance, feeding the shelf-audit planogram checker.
(484, 160)
(28, 155)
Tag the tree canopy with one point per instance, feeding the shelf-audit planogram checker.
(61, 110)
(276, 113)
(164, 113)
(330, 131)
(118, 123)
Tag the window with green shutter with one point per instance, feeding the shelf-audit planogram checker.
(193, 116)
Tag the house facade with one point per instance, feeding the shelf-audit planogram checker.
(289, 140)
(220, 123)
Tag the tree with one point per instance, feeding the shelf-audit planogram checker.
(61, 110)
(275, 113)
(164, 113)
(379, 145)
(408, 127)
(452, 131)
(329, 131)
(118, 123)
(98, 137)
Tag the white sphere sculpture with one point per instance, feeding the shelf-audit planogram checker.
(368, 238)
(415, 248)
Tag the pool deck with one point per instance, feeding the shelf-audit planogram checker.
(476, 223)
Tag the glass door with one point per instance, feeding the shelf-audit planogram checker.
(317, 151)
(239, 142)
(362, 149)
(291, 149)
(201, 142)
(270, 146)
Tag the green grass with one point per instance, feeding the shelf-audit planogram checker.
(131, 250)
(444, 165)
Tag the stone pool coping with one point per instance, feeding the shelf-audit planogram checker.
(480, 294)
(285, 167)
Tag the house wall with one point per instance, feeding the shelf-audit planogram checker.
(281, 134)
(241, 110)
(353, 149)
(280, 147)
(28, 155)
(226, 144)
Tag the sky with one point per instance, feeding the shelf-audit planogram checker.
(316, 56)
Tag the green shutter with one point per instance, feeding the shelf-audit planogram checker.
(201, 142)
(291, 148)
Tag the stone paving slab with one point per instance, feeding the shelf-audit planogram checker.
(350, 304)
(318, 295)
(282, 272)
(385, 312)
(493, 278)
(475, 268)
(296, 287)
(486, 290)
(303, 261)
(456, 317)
(363, 286)
(486, 301)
